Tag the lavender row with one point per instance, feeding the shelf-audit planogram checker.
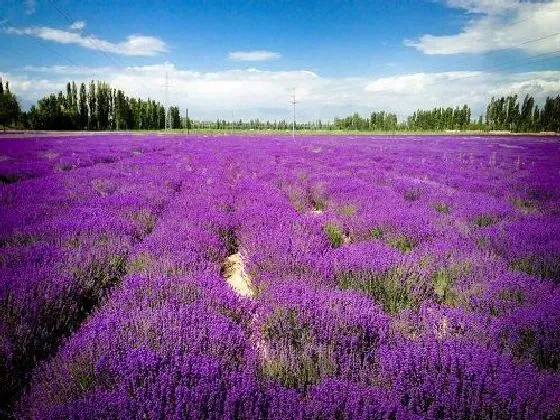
(61, 253)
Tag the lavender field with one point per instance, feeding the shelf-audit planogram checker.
(262, 277)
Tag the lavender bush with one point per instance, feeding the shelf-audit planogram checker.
(266, 277)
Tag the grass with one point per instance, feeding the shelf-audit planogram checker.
(376, 233)
(334, 234)
(316, 198)
(18, 240)
(296, 361)
(348, 210)
(527, 347)
(391, 289)
(412, 195)
(146, 220)
(139, 264)
(402, 243)
(544, 267)
(485, 220)
(229, 238)
(440, 207)
(9, 178)
(443, 281)
(524, 205)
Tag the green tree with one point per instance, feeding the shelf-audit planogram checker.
(83, 108)
(9, 106)
(92, 104)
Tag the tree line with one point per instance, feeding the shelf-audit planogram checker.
(458, 118)
(508, 114)
(9, 106)
(97, 106)
(377, 121)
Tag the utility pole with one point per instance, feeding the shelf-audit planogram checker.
(166, 100)
(294, 122)
(187, 120)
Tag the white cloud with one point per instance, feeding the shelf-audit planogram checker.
(30, 6)
(499, 25)
(258, 55)
(252, 93)
(78, 25)
(134, 44)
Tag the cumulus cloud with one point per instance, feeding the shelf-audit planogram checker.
(252, 93)
(257, 55)
(133, 45)
(531, 27)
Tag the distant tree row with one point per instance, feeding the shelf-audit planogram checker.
(508, 114)
(440, 119)
(97, 106)
(9, 107)
(377, 121)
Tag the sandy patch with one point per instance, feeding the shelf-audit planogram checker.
(233, 271)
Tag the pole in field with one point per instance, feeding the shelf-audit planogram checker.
(294, 121)
(187, 121)
(166, 100)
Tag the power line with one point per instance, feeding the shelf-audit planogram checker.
(44, 45)
(513, 64)
(535, 40)
(88, 37)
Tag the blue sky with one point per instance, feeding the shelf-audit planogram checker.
(247, 57)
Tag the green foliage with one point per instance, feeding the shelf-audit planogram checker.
(285, 325)
(139, 264)
(527, 347)
(440, 207)
(412, 195)
(229, 238)
(18, 240)
(482, 242)
(83, 375)
(485, 220)
(9, 106)
(335, 234)
(391, 289)
(525, 205)
(440, 119)
(97, 276)
(378, 121)
(296, 360)
(376, 233)
(9, 178)
(443, 281)
(504, 114)
(509, 295)
(402, 243)
(307, 369)
(146, 222)
(546, 267)
(316, 197)
(348, 210)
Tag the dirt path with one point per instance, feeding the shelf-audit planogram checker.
(233, 270)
